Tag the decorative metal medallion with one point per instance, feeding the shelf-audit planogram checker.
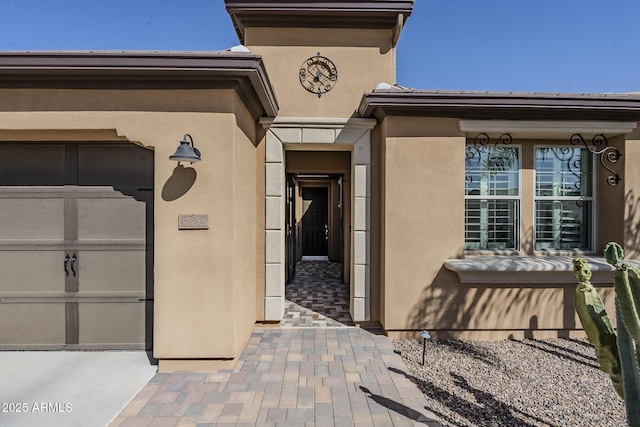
(318, 74)
(600, 147)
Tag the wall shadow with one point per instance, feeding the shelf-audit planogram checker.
(468, 349)
(563, 353)
(475, 413)
(631, 225)
(401, 409)
(179, 183)
(445, 306)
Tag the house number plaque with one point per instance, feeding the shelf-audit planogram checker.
(193, 222)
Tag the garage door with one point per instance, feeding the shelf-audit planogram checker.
(76, 246)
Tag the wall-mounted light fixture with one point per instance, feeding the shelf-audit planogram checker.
(186, 152)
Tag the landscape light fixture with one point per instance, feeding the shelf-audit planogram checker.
(425, 336)
(186, 151)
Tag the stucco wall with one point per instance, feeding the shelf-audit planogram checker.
(611, 199)
(205, 280)
(423, 225)
(631, 205)
(259, 250)
(423, 214)
(245, 225)
(367, 60)
(377, 221)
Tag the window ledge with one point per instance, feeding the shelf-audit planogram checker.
(528, 269)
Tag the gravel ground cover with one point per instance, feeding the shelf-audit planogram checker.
(531, 382)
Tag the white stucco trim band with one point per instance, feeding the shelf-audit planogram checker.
(528, 270)
(545, 129)
(318, 122)
(332, 134)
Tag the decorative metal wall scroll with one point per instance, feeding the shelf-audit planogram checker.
(573, 165)
(473, 153)
(570, 159)
(599, 146)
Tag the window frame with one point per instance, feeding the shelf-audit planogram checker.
(591, 238)
(518, 198)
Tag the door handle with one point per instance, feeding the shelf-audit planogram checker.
(74, 258)
(66, 261)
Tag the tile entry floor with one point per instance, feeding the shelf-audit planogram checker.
(317, 297)
(327, 374)
(290, 377)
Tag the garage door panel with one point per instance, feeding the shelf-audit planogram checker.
(112, 271)
(31, 219)
(112, 323)
(104, 165)
(32, 164)
(32, 324)
(107, 218)
(89, 203)
(32, 271)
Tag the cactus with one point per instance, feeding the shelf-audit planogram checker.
(596, 324)
(619, 356)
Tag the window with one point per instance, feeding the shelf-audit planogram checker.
(492, 198)
(563, 198)
(562, 201)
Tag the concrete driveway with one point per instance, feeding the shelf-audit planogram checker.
(74, 388)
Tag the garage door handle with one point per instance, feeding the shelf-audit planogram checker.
(66, 261)
(74, 258)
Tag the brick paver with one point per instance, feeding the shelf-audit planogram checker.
(313, 371)
(317, 297)
(289, 377)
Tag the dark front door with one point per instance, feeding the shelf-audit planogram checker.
(315, 232)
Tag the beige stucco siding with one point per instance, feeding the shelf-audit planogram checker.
(205, 280)
(245, 225)
(423, 219)
(631, 210)
(377, 222)
(361, 66)
(423, 225)
(259, 249)
(610, 200)
(451, 309)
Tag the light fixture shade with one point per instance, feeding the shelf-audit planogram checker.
(186, 152)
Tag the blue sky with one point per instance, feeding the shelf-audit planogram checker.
(585, 46)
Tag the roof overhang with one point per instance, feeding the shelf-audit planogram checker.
(242, 72)
(499, 106)
(375, 14)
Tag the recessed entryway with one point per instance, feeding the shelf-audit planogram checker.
(317, 296)
(316, 292)
(316, 221)
(318, 146)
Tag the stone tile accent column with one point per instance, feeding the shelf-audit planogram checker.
(274, 228)
(361, 229)
(323, 134)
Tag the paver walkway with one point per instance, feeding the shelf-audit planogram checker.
(317, 286)
(297, 316)
(290, 377)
